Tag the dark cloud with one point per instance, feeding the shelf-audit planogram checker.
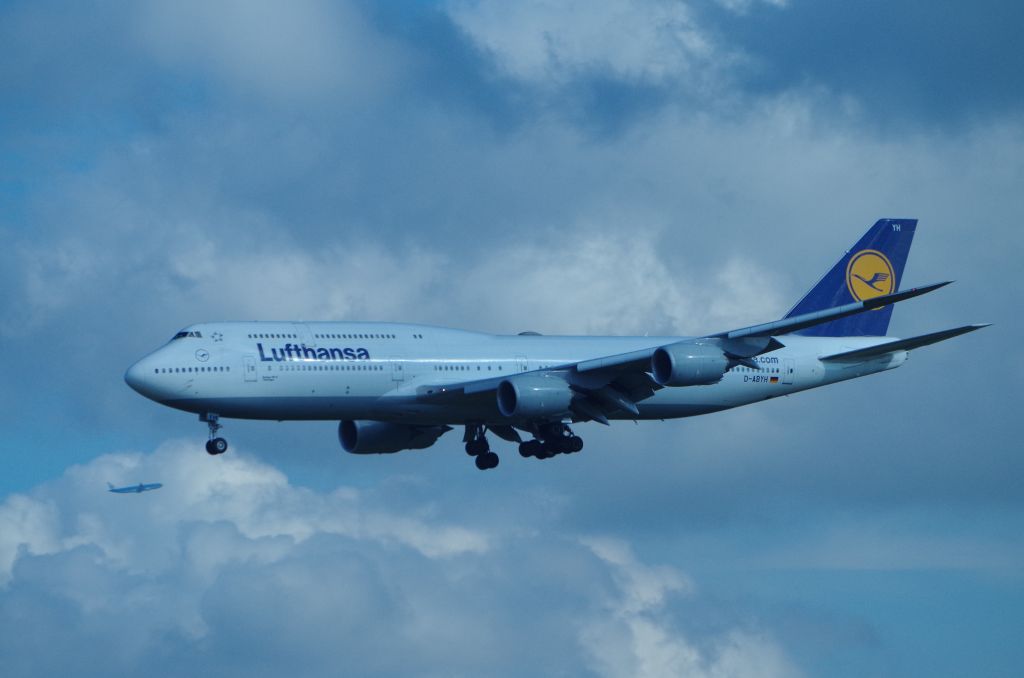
(906, 64)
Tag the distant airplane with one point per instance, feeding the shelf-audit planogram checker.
(135, 489)
(399, 387)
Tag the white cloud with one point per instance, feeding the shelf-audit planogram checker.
(548, 42)
(26, 526)
(362, 281)
(743, 6)
(591, 276)
(643, 588)
(687, 224)
(254, 499)
(589, 280)
(228, 554)
(600, 281)
(308, 50)
(637, 638)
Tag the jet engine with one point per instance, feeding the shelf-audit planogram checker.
(534, 396)
(382, 437)
(688, 365)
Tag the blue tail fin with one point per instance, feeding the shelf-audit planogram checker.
(873, 267)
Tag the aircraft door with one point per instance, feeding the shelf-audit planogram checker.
(397, 369)
(788, 370)
(521, 364)
(304, 335)
(249, 367)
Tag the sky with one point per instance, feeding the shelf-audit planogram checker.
(616, 166)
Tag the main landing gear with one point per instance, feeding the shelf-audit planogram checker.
(215, 445)
(477, 446)
(552, 439)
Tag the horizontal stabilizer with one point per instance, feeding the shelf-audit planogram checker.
(901, 344)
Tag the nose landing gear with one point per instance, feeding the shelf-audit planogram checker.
(215, 445)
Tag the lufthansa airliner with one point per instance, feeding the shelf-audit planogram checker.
(396, 386)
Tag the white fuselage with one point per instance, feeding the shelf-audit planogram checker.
(377, 371)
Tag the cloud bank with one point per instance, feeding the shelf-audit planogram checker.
(232, 570)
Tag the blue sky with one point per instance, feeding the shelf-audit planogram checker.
(579, 167)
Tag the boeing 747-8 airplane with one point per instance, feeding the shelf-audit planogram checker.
(397, 387)
(134, 489)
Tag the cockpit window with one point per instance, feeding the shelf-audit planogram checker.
(183, 334)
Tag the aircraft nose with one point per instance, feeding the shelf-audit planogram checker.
(136, 377)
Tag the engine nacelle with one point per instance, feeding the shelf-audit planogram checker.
(688, 365)
(534, 396)
(383, 437)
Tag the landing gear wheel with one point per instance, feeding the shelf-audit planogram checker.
(530, 448)
(477, 447)
(554, 439)
(216, 446)
(487, 460)
(557, 445)
(476, 440)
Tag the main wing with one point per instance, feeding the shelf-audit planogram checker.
(598, 387)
